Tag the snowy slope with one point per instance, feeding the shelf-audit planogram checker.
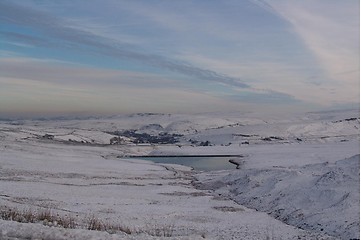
(299, 169)
(322, 196)
(217, 129)
(149, 199)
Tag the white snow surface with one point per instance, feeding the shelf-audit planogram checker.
(322, 196)
(305, 175)
(89, 180)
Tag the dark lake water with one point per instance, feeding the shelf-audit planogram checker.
(201, 163)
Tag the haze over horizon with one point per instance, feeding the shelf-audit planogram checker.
(110, 57)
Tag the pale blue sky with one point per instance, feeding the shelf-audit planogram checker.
(111, 56)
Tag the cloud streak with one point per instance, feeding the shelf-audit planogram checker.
(247, 53)
(69, 37)
(47, 87)
(58, 72)
(51, 72)
(330, 29)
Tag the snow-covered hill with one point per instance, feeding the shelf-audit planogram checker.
(300, 170)
(194, 130)
(324, 196)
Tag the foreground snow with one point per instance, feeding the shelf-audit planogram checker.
(70, 168)
(140, 195)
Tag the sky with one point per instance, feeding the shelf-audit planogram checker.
(87, 57)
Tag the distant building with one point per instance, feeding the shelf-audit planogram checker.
(48, 136)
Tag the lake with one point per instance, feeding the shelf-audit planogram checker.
(200, 163)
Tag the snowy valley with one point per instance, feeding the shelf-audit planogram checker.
(297, 177)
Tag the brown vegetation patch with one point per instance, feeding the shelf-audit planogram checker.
(193, 194)
(228, 209)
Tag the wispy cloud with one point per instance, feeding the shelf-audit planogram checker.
(68, 74)
(329, 28)
(50, 87)
(59, 73)
(66, 36)
(244, 53)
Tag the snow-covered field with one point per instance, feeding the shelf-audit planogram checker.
(298, 177)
